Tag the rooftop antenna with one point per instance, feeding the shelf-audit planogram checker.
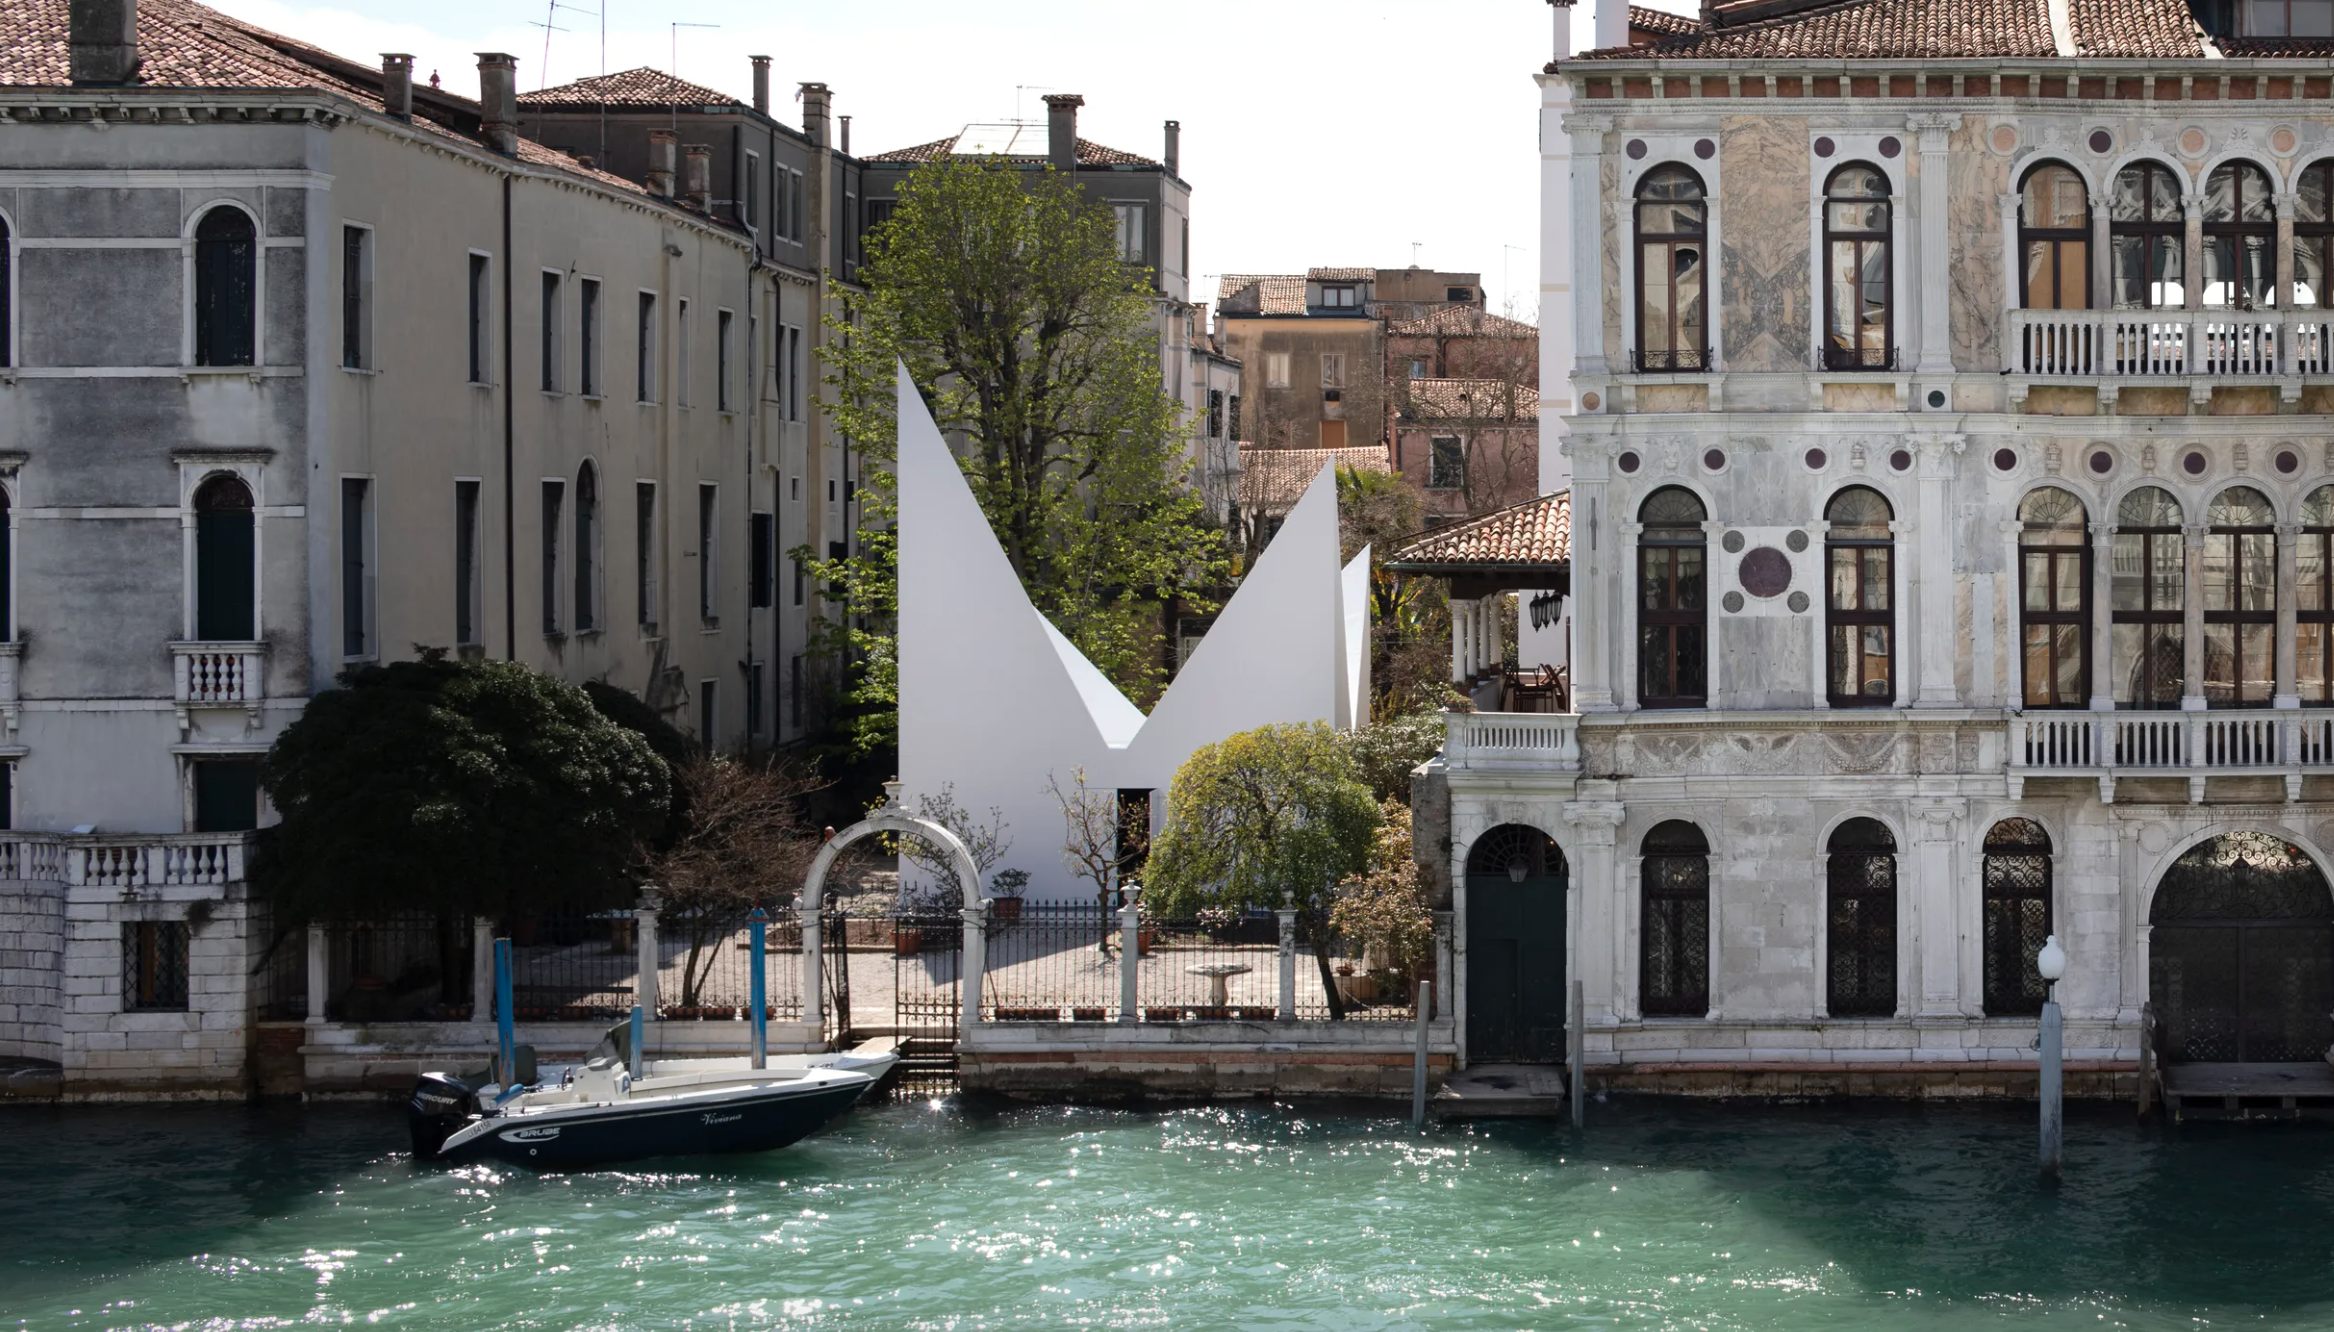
(676, 70)
(549, 25)
(1414, 252)
(1020, 88)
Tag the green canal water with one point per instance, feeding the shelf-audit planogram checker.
(958, 1217)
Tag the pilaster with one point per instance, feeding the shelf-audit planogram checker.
(1594, 935)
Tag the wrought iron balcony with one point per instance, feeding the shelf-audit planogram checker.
(2192, 745)
(1673, 361)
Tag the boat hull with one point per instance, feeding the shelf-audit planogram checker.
(759, 1120)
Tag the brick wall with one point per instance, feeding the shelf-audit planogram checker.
(32, 946)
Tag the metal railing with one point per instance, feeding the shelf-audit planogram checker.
(705, 967)
(2141, 344)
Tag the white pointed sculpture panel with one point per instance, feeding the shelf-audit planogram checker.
(994, 700)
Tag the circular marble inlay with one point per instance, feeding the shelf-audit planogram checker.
(1590, 401)
(1798, 603)
(1714, 459)
(1765, 572)
(1824, 146)
(1627, 462)
(1705, 149)
(1797, 541)
(1936, 397)
(1636, 150)
(2101, 141)
(1889, 147)
(1733, 543)
(1901, 460)
(2288, 461)
(2192, 141)
(1733, 603)
(2194, 462)
(1816, 458)
(2005, 460)
(2005, 139)
(2281, 141)
(2102, 462)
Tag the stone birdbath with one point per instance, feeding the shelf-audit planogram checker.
(1218, 974)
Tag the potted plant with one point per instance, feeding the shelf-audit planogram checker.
(907, 940)
(1005, 894)
(1088, 1013)
(1219, 922)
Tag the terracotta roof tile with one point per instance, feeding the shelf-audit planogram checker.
(1275, 479)
(1341, 274)
(1090, 154)
(1469, 400)
(1260, 294)
(1661, 21)
(643, 87)
(1465, 321)
(1926, 29)
(1537, 531)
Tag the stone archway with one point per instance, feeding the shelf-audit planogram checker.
(2241, 952)
(889, 817)
(1515, 884)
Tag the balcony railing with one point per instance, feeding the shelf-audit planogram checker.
(2169, 344)
(2195, 745)
(1490, 741)
(130, 860)
(1673, 360)
(218, 675)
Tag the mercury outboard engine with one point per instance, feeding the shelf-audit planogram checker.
(441, 1104)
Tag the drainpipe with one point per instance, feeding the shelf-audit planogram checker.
(510, 546)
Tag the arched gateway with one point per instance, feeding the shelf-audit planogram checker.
(2241, 953)
(1516, 879)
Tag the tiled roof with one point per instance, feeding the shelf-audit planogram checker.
(1260, 294)
(1275, 479)
(1535, 532)
(1924, 29)
(1090, 154)
(642, 87)
(1461, 321)
(1469, 399)
(1341, 274)
(1662, 21)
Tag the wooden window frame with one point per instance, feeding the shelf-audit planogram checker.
(2319, 534)
(2149, 615)
(1861, 242)
(2236, 231)
(2145, 230)
(1673, 357)
(2316, 234)
(2056, 616)
(2031, 235)
(2233, 620)
(1862, 551)
(1661, 553)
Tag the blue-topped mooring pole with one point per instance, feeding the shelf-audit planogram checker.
(506, 1033)
(639, 1032)
(760, 925)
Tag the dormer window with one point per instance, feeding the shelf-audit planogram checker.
(1346, 296)
(2289, 18)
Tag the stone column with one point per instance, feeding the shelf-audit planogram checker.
(2281, 295)
(2102, 615)
(1932, 249)
(2192, 259)
(1130, 961)
(2102, 275)
(1458, 644)
(1938, 911)
(1288, 963)
(2288, 693)
(320, 975)
(814, 975)
(1934, 592)
(1594, 928)
(976, 967)
(2192, 622)
(1445, 1003)
(1621, 614)
(2013, 264)
(1588, 235)
(1593, 547)
(649, 956)
(482, 970)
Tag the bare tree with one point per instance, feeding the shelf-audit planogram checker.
(748, 843)
(1090, 839)
(988, 842)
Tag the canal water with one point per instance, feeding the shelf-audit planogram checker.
(952, 1217)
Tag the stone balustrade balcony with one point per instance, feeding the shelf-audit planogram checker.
(2194, 349)
(125, 860)
(2197, 746)
(218, 675)
(1538, 742)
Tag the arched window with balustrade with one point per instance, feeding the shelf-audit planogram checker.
(1673, 234)
(1859, 614)
(224, 575)
(2240, 599)
(2240, 238)
(1672, 605)
(1860, 920)
(2016, 916)
(2147, 239)
(1673, 976)
(2054, 573)
(1858, 278)
(2149, 594)
(2054, 239)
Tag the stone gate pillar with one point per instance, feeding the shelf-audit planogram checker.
(1593, 932)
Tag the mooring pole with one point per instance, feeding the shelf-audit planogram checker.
(1418, 1067)
(1579, 1043)
(639, 1033)
(2051, 1043)
(506, 1031)
(759, 925)
(1130, 956)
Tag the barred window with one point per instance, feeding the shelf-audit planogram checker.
(2016, 916)
(154, 966)
(1674, 967)
(1860, 908)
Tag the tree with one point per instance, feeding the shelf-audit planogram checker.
(1381, 511)
(747, 843)
(1385, 752)
(1266, 816)
(1034, 344)
(988, 842)
(626, 709)
(477, 788)
(1385, 913)
(1090, 837)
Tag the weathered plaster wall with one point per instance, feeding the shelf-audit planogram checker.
(1976, 180)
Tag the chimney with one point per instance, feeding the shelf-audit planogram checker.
(1061, 131)
(1612, 23)
(761, 83)
(1174, 157)
(1563, 12)
(498, 102)
(397, 84)
(845, 142)
(103, 37)
(814, 112)
(698, 180)
(660, 162)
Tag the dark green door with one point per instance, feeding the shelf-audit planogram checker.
(1516, 984)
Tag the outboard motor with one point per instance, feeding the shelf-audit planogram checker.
(441, 1104)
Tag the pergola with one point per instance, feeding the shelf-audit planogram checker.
(1524, 548)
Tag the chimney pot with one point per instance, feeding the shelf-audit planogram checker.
(397, 84)
(661, 144)
(1175, 149)
(843, 142)
(102, 37)
(699, 178)
(761, 83)
(815, 99)
(1612, 17)
(1061, 131)
(498, 102)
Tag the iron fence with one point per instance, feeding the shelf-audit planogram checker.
(279, 968)
(1051, 962)
(705, 966)
(409, 968)
(574, 966)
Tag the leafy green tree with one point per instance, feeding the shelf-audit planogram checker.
(1036, 349)
(1264, 817)
(1385, 911)
(1386, 752)
(1409, 617)
(479, 788)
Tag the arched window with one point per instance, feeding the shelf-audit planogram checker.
(2017, 916)
(1859, 333)
(2240, 238)
(1672, 616)
(224, 550)
(2147, 235)
(2150, 589)
(2313, 235)
(226, 288)
(1673, 228)
(2240, 599)
(1673, 977)
(2314, 621)
(2054, 571)
(2054, 235)
(587, 549)
(1859, 617)
(1860, 933)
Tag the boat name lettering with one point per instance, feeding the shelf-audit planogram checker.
(721, 1119)
(531, 1135)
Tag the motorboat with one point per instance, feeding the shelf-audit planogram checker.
(613, 1107)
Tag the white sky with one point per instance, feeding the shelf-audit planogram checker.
(1313, 132)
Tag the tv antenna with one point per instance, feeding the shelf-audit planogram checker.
(676, 67)
(550, 24)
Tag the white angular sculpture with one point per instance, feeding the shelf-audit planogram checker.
(994, 700)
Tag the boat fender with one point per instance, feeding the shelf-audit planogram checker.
(440, 1105)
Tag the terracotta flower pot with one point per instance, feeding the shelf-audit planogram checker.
(1088, 1015)
(1005, 908)
(907, 941)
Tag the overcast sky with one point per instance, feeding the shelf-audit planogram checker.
(1314, 132)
